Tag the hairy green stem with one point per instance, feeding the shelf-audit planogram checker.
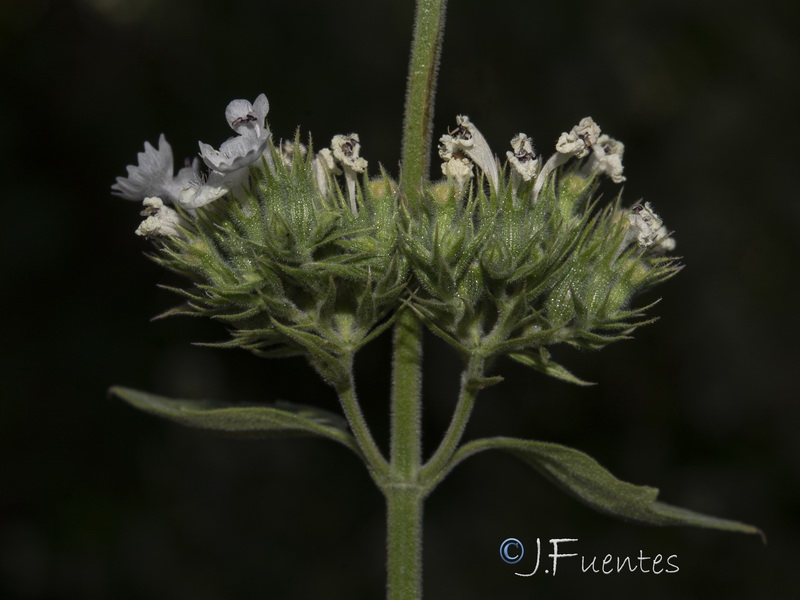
(376, 462)
(423, 68)
(434, 469)
(404, 496)
(406, 450)
(404, 505)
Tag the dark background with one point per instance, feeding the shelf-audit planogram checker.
(100, 501)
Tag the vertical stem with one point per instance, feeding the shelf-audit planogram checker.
(404, 542)
(404, 495)
(406, 444)
(426, 50)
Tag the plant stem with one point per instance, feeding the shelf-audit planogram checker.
(404, 496)
(406, 446)
(426, 50)
(404, 505)
(434, 469)
(376, 463)
(403, 493)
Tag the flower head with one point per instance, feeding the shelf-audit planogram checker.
(466, 140)
(153, 175)
(647, 229)
(347, 152)
(161, 220)
(459, 169)
(248, 120)
(522, 157)
(607, 158)
(580, 139)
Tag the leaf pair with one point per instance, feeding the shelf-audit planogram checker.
(573, 471)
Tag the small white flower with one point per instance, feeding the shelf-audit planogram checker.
(522, 157)
(153, 175)
(573, 144)
(236, 153)
(201, 191)
(578, 141)
(467, 140)
(346, 151)
(460, 169)
(647, 229)
(161, 221)
(324, 166)
(607, 158)
(248, 120)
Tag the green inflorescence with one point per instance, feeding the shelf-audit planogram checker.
(292, 271)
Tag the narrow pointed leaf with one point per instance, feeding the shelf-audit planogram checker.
(541, 362)
(584, 478)
(284, 418)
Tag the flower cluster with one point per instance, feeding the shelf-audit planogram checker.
(465, 147)
(229, 167)
(525, 261)
(300, 252)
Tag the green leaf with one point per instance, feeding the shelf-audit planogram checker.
(541, 362)
(582, 477)
(284, 418)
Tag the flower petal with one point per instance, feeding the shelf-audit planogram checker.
(161, 221)
(152, 176)
(467, 140)
(522, 157)
(578, 141)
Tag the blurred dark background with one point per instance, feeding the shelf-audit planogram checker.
(100, 501)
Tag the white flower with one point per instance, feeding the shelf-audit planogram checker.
(647, 229)
(236, 153)
(467, 140)
(573, 144)
(607, 158)
(346, 151)
(161, 220)
(580, 139)
(323, 166)
(248, 120)
(460, 169)
(522, 157)
(201, 191)
(153, 175)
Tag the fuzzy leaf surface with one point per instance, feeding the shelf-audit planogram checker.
(584, 478)
(284, 418)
